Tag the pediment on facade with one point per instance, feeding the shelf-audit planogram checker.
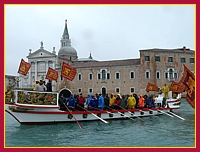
(41, 53)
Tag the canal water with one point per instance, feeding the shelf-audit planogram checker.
(155, 131)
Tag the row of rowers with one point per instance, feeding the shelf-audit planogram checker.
(97, 101)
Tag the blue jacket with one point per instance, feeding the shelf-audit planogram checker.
(151, 102)
(88, 99)
(101, 102)
(71, 102)
(93, 103)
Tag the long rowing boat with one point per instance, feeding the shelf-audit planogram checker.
(32, 107)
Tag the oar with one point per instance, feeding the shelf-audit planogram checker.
(102, 110)
(74, 117)
(94, 115)
(176, 115)
(131, 113)
(165, 113)
(121, 113)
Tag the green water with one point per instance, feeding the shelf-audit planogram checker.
(155, 131)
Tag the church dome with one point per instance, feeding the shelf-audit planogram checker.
(67, 51)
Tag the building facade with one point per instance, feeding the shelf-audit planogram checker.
(157, 66)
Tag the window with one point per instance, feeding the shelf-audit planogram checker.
(99, 76)
(157, 74)
(117, 75)
(108, 76)
(175, 75)
(183, 60)
(147, 58)
(117, 90)
(90, 76)
(132, 75)
(191, 60)
(147, 74)
(171, 74)
(170, 59)
(166, 75)
(79, 76)
(157, 58)
(132, 90)
(103, 74)
(90, 90)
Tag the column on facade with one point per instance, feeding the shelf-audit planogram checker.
(47, 66)
(30, 79)
(35, 70)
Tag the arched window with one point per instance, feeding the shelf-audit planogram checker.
(170, 74)
(103, 74)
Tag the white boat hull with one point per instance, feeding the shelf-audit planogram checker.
(31, 112)
(54, 115)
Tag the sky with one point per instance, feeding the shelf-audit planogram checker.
(108, 32)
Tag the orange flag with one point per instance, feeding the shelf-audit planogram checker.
(188, 79)
(24, 67)
(177, 87)
(151, 87)
(52, 74)
(68, 72)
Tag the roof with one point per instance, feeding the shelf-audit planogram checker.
(39, 51)
(125, 62)
(66, 33)
(178, 50)
(67, 50)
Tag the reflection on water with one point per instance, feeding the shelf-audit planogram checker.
(154, 131)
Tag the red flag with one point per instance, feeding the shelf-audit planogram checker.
(24, 67)
(188, 79)
(177, 87)
(52, 74)
(68, 72)
(151, 87)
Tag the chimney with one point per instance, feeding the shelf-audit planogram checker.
(184, 49)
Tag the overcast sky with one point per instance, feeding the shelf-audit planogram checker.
(109, 32)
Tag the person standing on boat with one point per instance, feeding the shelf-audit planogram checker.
(80, 102)
(44, 86)
(141, 102)
(101, 103)
(117, 102)
(136, 98)
(106, 101)
(151, 102)
(112, 100)
(40, 86)
(146, 101)
(71, 102)
(62, 102)
(93, 103)
(49, 86)
(131, 102)
(88, 100)
(35, 85)
(123, 102)
(165, 90)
